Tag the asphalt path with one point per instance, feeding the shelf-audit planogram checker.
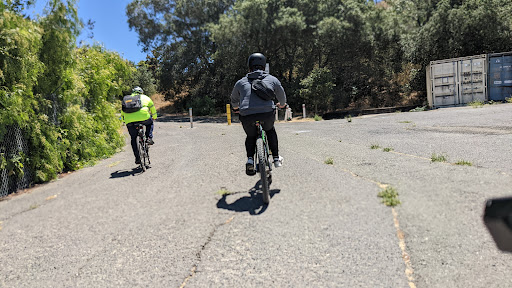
(111, 226)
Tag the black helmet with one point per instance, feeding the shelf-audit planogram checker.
(256, 60)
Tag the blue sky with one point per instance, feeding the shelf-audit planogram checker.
(110, 27)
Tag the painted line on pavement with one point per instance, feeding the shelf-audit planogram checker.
(409, 271)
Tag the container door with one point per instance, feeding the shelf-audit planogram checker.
(500, 77)
(472, 80)
(444, 83)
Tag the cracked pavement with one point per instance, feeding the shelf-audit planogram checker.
(111, 226)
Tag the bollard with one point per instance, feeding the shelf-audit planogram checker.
(191, 120)
(304, 111)
(288, 115)
(277, 114)
(228, 111)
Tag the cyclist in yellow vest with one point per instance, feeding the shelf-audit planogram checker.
(144, 116)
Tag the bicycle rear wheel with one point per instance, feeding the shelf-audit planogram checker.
(262, 167)
(140, 147)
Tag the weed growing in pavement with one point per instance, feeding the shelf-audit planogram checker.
(438, 158)
(223, 191)
(406, 122)
(508, 99)
(387, 149)
(329, 161)
(389, 196)
(349, 118)
(463, 163)
(33, 206)
(318, 118)
(476, 104)
(375, 146)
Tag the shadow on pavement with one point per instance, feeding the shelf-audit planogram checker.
(125, 173)
(252, 203)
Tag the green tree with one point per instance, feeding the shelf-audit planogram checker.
(144, 78)
(65, 128)
(317, 88)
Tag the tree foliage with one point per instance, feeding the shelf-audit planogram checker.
(375, 52)
(63, 98)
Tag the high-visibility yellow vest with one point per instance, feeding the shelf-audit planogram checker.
(148, 110)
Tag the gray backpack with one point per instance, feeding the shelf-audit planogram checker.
(131, 103)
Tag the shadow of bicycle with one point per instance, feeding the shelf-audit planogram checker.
(252, 203)
(125, 173)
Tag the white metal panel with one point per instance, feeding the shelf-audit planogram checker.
(473, 80)
(457, 81)
(444, 84)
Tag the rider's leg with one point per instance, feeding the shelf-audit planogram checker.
(252, 134)
(250, 143)
(133, 135)
(268, 125)
(273, 142)
(149, 130)
(272, 138)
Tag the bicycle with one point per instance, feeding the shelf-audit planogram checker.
(263, 165)
(142, 147)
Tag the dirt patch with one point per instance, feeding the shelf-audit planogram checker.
(162, 106)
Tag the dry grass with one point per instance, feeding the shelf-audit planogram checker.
(162, 106)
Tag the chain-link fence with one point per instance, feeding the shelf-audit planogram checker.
(16, 173)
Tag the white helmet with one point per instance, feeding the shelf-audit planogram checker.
(138, 90)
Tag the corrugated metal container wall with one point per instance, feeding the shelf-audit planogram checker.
(457, 81)
(500, 76)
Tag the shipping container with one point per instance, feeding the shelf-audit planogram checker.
(457, 81)
(500, 76)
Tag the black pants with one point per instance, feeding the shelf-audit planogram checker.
(252, 133)
(132, 129)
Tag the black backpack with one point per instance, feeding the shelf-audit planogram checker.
(131, 103)
(262, 90)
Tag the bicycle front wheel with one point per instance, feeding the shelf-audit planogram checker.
(262, 167)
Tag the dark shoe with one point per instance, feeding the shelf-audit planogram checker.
(249, 167)
(150, 141)
(137, 161)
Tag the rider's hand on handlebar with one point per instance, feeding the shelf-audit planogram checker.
(236, 110)
(281, 106)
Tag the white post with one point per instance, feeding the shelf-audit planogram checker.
(288, 113)
(191, 120)
(277, 114)
(304, 111)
